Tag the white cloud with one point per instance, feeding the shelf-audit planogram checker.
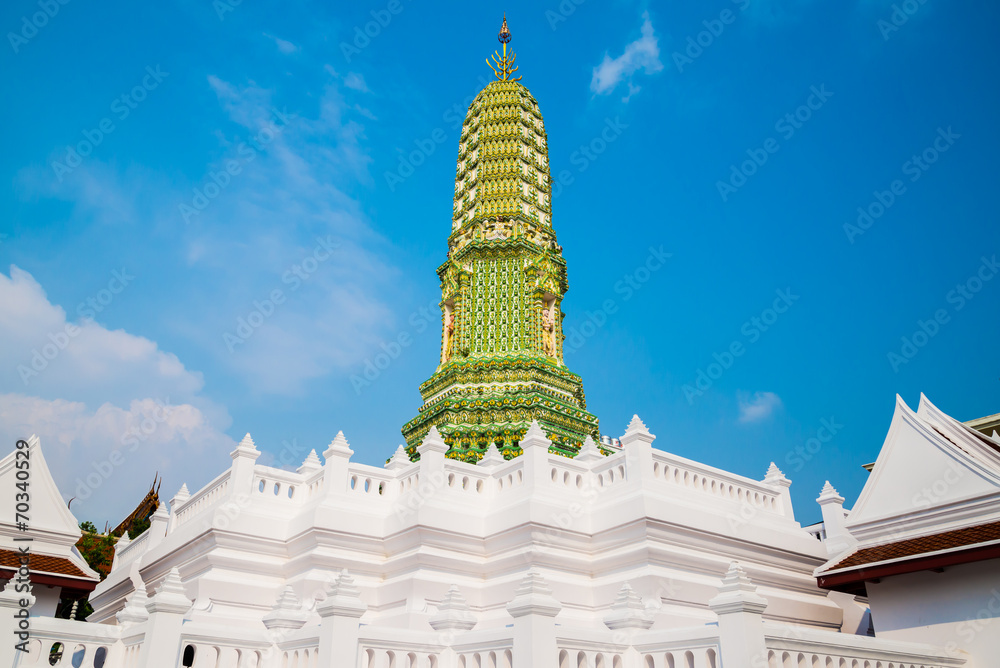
(328, 325)
(757, 407)
(356, 82)
(53, 355)
(283, 45)
(110, 407)
(642, 54)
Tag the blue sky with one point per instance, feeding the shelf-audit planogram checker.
(263, 162)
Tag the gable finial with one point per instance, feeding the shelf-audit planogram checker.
(505, 67)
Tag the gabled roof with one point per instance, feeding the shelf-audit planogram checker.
(51, 526)
(48, 510)
(932, 500)
(932, 474)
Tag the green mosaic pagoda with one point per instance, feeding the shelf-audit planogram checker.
(502, 288)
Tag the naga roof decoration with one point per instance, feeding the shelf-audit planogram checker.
(502, 285)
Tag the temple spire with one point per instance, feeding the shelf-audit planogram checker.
(505, 67)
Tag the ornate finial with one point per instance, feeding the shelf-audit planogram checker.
(505, 67)
(504, 35)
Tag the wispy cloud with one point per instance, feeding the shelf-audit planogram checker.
(283, 44)
(356, 82)
(110, 407)
(256, 231)
(757, 407)
(642, 54)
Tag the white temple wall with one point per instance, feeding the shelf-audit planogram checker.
(46, 601)
(959, 607)
(667, 525)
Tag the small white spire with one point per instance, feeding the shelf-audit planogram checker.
(343, 598)
(161, 513)
(287, 612)
(11, 598)
(737, 593)
(636, 432)
(492, 456)
(310, 463)
(453, 613)
(636, 424)
(589, 452)
(774, 476)
(180, 497)
(535, 437)
(134, 611)
(627, 612)
(339, 447)
(169, 596)
(246, 448)
(400, 460)
(829, 495)
(432, 443)
(533, 597)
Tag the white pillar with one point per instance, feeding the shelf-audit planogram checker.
(158, 524)
(432, 450)
(180, 497)
(741, 629)
(339, 628)
(534, 609)
(120, 545)
(335, 474)
(244, 459)
(12, 603)
(161, 646)
(637, 443)
(838, 538)
(776, 478)
(535, 450)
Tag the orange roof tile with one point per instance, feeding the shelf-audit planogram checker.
(912, 547)
(42, 563)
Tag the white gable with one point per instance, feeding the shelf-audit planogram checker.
(931, 475)
(51, 524)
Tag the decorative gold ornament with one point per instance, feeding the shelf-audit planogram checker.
(505, 67)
